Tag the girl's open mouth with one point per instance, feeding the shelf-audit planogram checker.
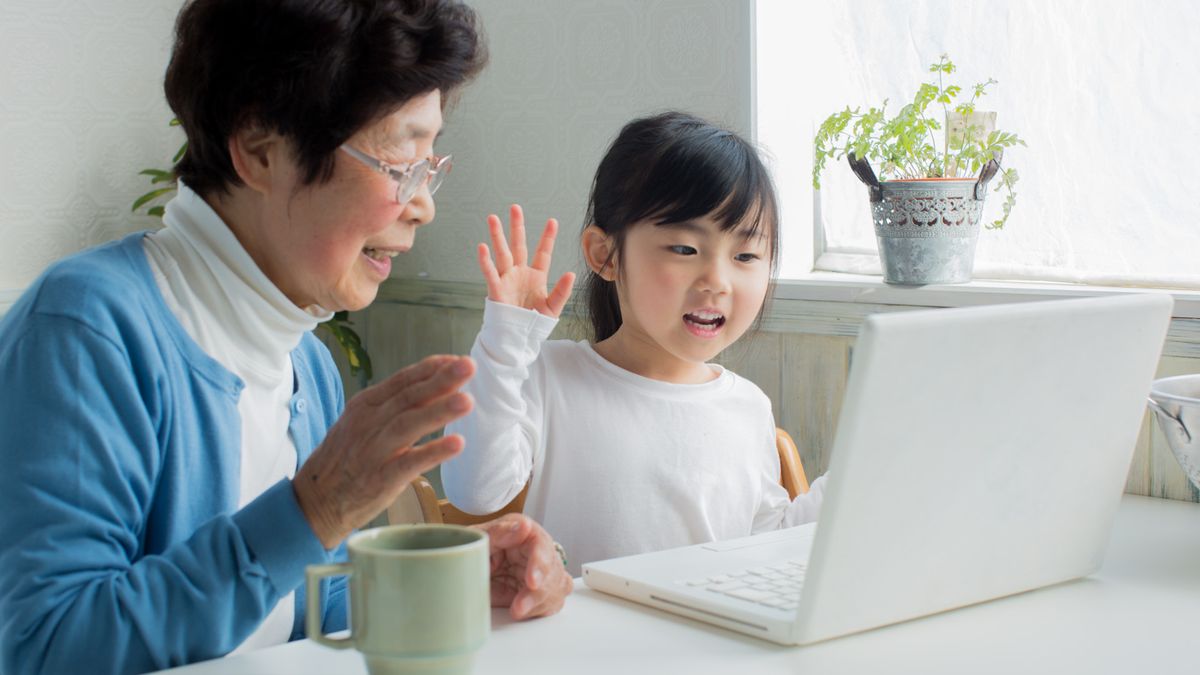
(704, 323)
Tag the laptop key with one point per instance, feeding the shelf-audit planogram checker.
(750, 594)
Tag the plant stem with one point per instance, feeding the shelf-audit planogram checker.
(962, 142)
(946, 119)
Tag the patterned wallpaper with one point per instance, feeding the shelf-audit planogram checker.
(564, 76)
(81, 112)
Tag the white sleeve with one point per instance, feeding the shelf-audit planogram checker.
(806, 507)
(776, 512)
(772, 509)
(503, 431)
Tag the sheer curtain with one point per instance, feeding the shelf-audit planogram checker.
(1103, 91)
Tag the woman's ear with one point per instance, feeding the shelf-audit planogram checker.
(256, 154)
(598, 252)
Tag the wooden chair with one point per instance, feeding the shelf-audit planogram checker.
(420, 504)
(791, 470)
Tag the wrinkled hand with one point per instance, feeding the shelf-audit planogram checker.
(369, 455)
(527, 573)
(511, 279)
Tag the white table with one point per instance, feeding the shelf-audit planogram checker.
(1141, 612)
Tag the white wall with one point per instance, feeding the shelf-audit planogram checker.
(81, 112)
(564, 76)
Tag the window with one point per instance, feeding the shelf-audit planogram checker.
(1103, 92)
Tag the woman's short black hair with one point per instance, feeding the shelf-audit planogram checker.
(670, 168)
(314, 71)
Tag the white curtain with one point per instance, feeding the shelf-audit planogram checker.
(1103, 91)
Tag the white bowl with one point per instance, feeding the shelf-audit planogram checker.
(1176, 403)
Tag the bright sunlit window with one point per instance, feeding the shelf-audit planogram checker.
(1102, 91)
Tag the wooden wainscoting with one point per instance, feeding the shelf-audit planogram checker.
(800, 357)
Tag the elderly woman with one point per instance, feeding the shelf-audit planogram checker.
(175, 449)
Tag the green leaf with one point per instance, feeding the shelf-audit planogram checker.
(906, 145)
(158, 176)
(179, 155)
(150, 196)
(356, 355)
(156, 211)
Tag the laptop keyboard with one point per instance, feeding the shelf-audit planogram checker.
(776, 585)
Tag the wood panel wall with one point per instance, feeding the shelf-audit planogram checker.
(800, 357)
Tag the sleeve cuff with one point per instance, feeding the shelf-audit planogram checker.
(528, 322)
(279, 536)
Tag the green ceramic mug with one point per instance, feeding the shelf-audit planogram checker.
(419, 598)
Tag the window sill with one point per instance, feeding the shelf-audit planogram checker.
(855, 288)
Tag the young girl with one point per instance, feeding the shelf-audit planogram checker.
(634, 442)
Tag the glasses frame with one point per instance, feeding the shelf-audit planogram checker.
(408, 177)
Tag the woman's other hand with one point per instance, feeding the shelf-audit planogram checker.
(528, 575)
(512, 279)
(371, 453)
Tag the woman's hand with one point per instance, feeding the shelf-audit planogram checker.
(511, 280)
(528, 575)
(371, 454)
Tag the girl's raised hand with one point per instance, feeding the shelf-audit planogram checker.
(512, 279)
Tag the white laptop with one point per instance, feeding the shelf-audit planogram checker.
(980, 452)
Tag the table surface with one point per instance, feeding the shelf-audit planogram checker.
(1140, 611)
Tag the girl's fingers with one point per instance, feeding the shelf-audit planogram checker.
(490, 275)
(516, 218)
(504, 257)
(545, 248)
(561, 293)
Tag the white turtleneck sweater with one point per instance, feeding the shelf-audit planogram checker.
(243, 321)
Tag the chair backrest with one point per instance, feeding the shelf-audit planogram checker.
(451, 514)
(420, 504)
(791, 471)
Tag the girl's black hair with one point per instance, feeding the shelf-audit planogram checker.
(315, 71)
(671, 168)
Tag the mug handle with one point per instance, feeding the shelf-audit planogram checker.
(312, 606)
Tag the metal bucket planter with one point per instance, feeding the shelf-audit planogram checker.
(926, 229)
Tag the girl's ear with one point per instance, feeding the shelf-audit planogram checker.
(256, 154)
(598, 252)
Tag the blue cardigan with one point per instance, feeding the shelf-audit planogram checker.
(121, 545)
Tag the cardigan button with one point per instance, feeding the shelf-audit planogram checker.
(300, 406)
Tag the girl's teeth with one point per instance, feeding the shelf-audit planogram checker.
(705, 319)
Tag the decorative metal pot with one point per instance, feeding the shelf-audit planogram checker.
(926, 229)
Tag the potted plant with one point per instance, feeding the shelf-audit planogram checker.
(163, 186)
(927, 201)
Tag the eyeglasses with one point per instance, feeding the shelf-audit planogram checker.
(408, 177)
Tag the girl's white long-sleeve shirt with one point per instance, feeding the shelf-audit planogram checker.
(617, 463)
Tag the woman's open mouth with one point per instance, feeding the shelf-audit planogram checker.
(704, 323)
(380, 259)
(380, 254)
